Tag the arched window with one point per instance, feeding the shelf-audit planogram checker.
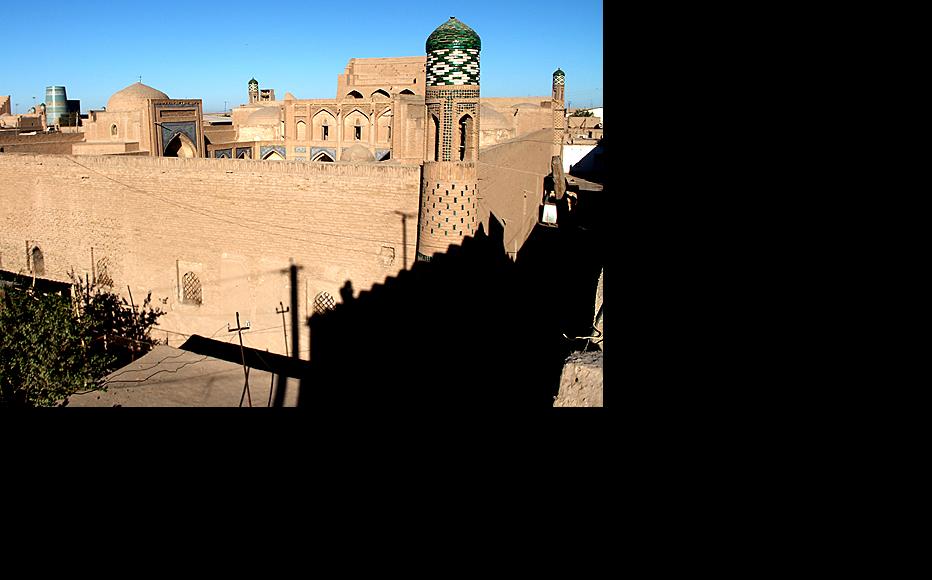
(113, 130)
(191, 289)
(354, 95)
(407, 91)
(323, 157)
(38, 261)
(301, 130)
(384, 126)
(467, 147)
(433, 139)
(324, 302)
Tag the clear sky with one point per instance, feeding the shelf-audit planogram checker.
(211, 50)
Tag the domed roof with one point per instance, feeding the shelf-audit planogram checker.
(357, 153)
(253, 81)
(559, 73)
(133, 97)
(453, 34)
(492, 119)
(264, 116)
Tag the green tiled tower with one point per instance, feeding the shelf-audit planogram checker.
(449, 183)
(559, 111)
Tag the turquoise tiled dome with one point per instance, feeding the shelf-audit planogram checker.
(453, 34)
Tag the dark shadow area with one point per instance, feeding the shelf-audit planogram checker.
(42, 285)
(255, 359)
(592, 166)
(468, 330)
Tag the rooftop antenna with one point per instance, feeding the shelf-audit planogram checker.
(140, 78)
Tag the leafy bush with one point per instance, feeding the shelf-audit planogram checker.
(52, 346)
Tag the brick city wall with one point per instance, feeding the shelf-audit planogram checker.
(233, 223)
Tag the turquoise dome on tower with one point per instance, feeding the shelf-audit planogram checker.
(559, 77)
(453, 34)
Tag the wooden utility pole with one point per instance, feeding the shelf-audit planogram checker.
(283, 310)
(282, 379)
(239, 331)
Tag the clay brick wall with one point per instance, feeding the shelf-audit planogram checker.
(233, 223)
(41, 143)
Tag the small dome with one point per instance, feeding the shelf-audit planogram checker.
(264, 116)
(133, 97)
(453, 34)
(253, 81)
(559, 73)
(492, 119)
(357, 153)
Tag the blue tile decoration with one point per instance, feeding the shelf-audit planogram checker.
(170, 130)
(264, 150)
(332, 152)
(453, 55)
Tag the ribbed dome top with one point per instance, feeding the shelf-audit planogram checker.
(265, 116)
(453, 34)
(559, 73)
(357, 153)
(133, 97)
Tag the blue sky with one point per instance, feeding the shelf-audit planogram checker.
(211, 50)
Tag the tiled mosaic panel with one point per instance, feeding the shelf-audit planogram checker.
(453, 34)
(169, 130)
(245, 152)
(223, 153)
(330, 151)
(266, 148)
(453, 67)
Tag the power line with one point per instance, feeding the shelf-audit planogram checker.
(230, 220)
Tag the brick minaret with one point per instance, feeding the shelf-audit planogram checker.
(450, 180)
(559, 111)
(253, 91)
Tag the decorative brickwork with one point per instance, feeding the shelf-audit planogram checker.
(448, 203)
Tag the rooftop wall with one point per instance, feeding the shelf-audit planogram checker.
(233, 223)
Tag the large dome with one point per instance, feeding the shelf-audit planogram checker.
(453, 34)
(357, 153)
(133, 97)
(265, 116)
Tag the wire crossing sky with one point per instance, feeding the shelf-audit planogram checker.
(211, 50)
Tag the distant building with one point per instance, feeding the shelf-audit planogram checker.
(145, 121)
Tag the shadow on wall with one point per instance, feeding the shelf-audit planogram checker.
(592, 166)
(470, 329)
